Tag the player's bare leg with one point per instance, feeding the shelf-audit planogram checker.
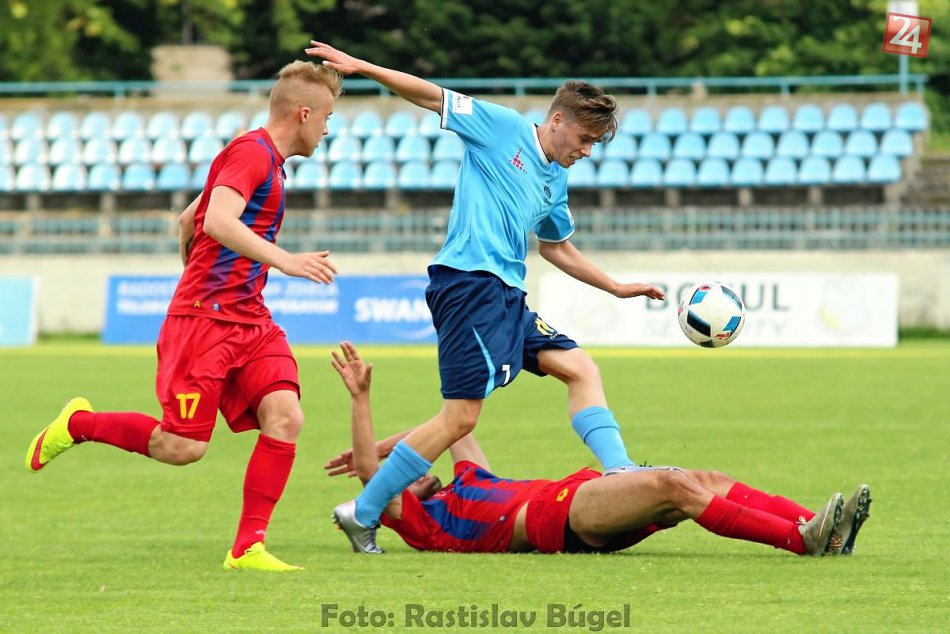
(173, 449)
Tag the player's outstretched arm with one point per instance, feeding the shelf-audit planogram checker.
(411, 88)
(569, 259)
(186, 229)
(357, 377)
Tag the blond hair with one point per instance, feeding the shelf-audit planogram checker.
(589, 106)
(297, 79)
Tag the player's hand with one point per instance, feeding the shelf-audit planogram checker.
(332, 58)
(356, 374)
(637, 289)
(343, 463)
(315, 266)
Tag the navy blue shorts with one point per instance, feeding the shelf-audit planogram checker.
(486, 332)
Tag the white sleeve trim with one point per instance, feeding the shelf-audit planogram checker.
(564, 239)
(445, 109)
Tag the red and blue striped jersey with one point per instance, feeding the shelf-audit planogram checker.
(218, 282)
(474, 513)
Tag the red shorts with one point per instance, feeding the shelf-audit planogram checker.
(548, 519)
(205, 365)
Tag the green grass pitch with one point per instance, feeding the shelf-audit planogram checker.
(107, 541)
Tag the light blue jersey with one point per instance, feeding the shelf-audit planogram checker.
(506, 189)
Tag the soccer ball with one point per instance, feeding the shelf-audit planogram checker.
(711, 314)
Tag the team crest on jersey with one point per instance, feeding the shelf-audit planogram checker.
(462, 104)
(517, 162)
(547, 193)
(544, 328)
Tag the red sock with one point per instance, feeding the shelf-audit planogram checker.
(127, 430)
(267, 473)
(748, 497)
(728, 519)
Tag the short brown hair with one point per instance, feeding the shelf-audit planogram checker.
(313, 74)
(296, 86)
(589, 105)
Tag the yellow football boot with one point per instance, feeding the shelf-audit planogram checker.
(257, 558)
(55, 437)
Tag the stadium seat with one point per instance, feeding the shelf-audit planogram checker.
(582, 174)
(828, 144)
(646, 173)
(379, 175)
(911, 117)
(773, 119)
(706, 121)
(259, 118)
(655, 145)
(62, 125)
(430, 126)
(169, 150)
(636, 123)
(4, 126)
(792, 144)
(613, 173)
(400, 124)
(199, 175)
(127, 125)
(31, 150)
(448, 147)
(758, 145)
(173, 177)
(897, 142)
(309, 175)
(747, 172)
(162, 125)
(535, 116)
(848, 170)
(444, 175)
(842, 118)
(622, 147)
(884, 169)
(739, 119)
(138, 177)
(861, 143)
(99, 151)
(672, 121)
(378, 148)
(204, 148)
(413, 148)
(780, 171)
(27, 125)
(809, 118)
(7, 178)
(597, 152)
(415, 175)
(195, 125)
(723, 145)
(713, 172)
(69, 177)
(876, 117)
(65, 150)
(229, 125)
(6, 152)
(680, 172)
(345, 174)
(344, 148)
(103, 177)
(33, 178)
(689, 145)
(135, 150)
(95, 125)
(814, 170)
(366, 124)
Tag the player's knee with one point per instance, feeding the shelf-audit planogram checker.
(580, 367)
(676, 488)
(180, 451)
(284, 425)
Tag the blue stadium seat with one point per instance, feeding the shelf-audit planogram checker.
(289, 175)
(444, 175)
(345, 175)
(430, 126)
(65, 150)
(780, 171)
(582, 175)
(196, 124)
(723, 145)
(613, 173)
(413, 148)
(69, 177)
(747, 172)
(379, 175)
(713, 172)
(758, 145)
(62, 125)
(32, 178)
(400, 124)
(897, 142)
(30, 150)
(773, 119)
(379, 148)
(204, 148)
(229, 125)
(861, 143)
(138, 177)
(655, 145)
(739, 119)
(646, 173)
(842, 118)
(95, 125)
(344, 148)
(689, 145)
(127, 125)
(848, 170)
(814, 170)
(535, 115)
(597, 152)
(792, 144)
(876, 117)
(162, 125)
(448, 147)
(27, 125)
(103, 177)
(884, 169)
(173, 177)
(366, 124)
(636, 122)
(672, 121)
(828, 144)
(706, 121)
(680, 172)
(6, 152)
(911, 116)
(199, 175)
(809, 118)
(259, 118)
(135, 150)
(7, 178)
(310, 175)
(415, 175)
(622, 147)
(169, 150)
(4, 126)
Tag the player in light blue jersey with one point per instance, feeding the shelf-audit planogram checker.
(512, 182)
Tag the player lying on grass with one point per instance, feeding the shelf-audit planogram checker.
(584, 512)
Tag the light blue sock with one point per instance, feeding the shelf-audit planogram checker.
(600, 432)
(403, 467)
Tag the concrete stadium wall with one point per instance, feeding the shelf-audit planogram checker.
(72, 288)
